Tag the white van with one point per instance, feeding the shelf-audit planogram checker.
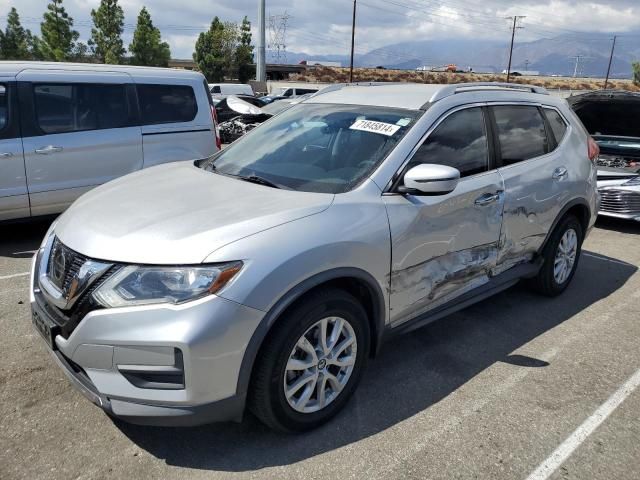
(66, 128)
(222, 90)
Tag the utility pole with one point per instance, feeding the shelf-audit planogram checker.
(353, 41)
(526, 64)
(277, 45)
(261, 71)
(513, 34)
(613, 46)
(575, 70)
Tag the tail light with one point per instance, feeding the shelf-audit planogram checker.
(216, 128)
(594, 150)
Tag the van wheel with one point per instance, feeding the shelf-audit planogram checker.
(311, 364)
(561, 257)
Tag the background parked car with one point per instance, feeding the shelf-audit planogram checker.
(245, 119)
(83, 125)
(226, 113)
(222, 90)
(612, 118)
(288, 92)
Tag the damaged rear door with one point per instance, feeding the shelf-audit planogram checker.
(446, 245)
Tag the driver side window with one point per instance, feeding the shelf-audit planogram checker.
(460, 141)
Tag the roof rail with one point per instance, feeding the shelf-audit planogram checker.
(473, 86)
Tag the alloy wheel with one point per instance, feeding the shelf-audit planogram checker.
(565, 256)
(320, 365)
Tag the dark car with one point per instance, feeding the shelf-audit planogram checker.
(225, 113)
(612, 119)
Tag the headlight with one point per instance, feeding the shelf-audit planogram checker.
(133, 285)
(633, 181)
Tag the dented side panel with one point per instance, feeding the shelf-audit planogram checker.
(534, 198)
(442, 246)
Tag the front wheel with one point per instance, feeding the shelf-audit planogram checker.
(312, 363)
(561, 257)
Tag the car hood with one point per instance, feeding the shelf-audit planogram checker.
(177, 214)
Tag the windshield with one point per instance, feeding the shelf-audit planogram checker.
(316, 147)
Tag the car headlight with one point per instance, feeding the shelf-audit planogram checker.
(633, 181)
(139, 285)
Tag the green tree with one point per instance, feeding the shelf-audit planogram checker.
(147, 46)
(58, 36)
(244, 52)
(106, 36)
(216, 49)
(636, 73)
(16, 43)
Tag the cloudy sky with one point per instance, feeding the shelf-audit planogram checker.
(323, 27)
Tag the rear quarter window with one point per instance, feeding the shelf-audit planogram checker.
(166, 104)
(557, 124)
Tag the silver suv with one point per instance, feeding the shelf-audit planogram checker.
(268, 274)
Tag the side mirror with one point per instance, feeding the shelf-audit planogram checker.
(431, 179)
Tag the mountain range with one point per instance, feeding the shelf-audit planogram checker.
(549, 56)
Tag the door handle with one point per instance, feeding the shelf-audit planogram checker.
(48, 149)
(487, 198)
(6, 154)
(559, 173)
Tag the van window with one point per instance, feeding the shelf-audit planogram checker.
(521, 133)
(558, 127)
(166, 104)
(4, 111)
(216, 89)
(460, 141)
(62, 108)
(304, 91)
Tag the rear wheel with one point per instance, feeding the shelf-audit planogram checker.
(561, 257)
(312, 363)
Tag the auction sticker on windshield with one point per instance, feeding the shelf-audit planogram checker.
(387, 129)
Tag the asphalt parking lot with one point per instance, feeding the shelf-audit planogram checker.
(495, 391)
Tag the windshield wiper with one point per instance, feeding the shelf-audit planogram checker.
(259, 180)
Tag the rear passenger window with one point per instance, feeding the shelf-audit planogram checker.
(460, 141)
(166, 104)
(4, 110)
(521, 133)
(558, 127)
(62, 108)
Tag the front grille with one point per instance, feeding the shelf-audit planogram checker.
(619, 201)
(69, 319)
(62, 272)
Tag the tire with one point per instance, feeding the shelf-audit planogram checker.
(548, 282)
(273, 373)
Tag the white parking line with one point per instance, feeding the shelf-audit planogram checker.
(560, 454)
(606, 259)
(23, 274)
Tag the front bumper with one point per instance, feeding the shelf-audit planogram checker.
(210, 334)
